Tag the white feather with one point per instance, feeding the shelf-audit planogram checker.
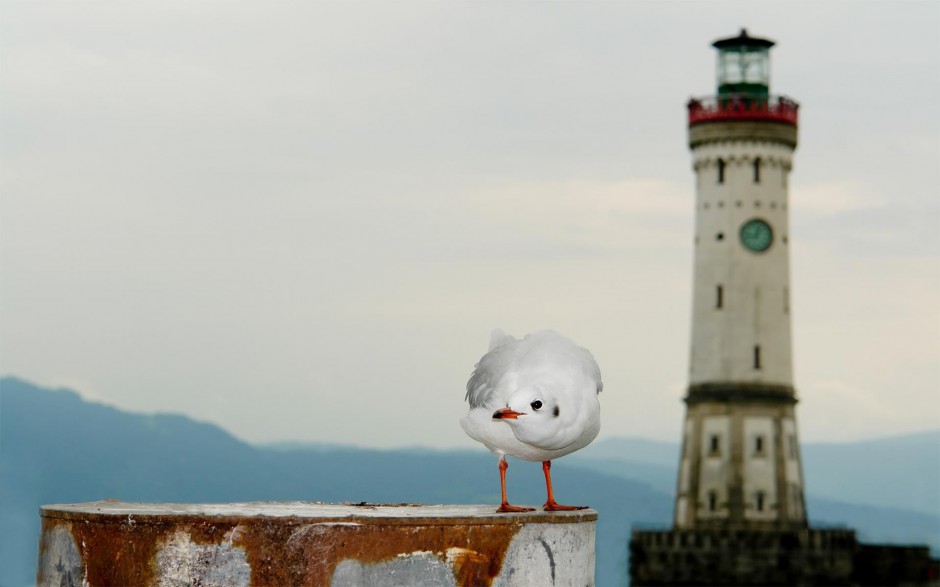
(544, 367)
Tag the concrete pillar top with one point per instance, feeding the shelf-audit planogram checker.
(312, 512)
(312, 544)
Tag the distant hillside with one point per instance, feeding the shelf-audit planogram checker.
(901, 472)
(57, 448)
(635, 450)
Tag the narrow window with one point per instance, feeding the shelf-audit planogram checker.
(721, 171)
(757, 170)
(719, 297)
(759, 445)
(760, 501)
(712, 501)
(713, 445)
(757, 356)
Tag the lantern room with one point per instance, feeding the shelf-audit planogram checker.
(743, 89)
(743, 66)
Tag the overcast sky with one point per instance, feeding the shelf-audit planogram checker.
(301, 221)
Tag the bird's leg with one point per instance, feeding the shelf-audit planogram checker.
(505, 507)
(550, 505)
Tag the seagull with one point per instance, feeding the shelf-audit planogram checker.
(535, 399)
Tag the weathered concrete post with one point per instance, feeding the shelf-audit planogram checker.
(314, 544)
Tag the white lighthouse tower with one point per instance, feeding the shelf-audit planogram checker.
(740, 518)
(740, 461)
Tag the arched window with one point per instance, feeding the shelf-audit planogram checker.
(712, 501)
(721, 171)
(719, 297)
(757, 163)
(759, 501)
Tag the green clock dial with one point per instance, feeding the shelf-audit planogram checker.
(757, 235)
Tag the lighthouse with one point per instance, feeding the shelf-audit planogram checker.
(740, 516)
(740, 460)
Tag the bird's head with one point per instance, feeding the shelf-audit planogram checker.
(537, 417)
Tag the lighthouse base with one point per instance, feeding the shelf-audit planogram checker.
(804, 557)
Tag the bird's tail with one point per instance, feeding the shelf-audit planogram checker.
(498, 338)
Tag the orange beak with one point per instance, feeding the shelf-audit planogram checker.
(506, 414)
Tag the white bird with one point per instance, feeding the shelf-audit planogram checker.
(535, 399)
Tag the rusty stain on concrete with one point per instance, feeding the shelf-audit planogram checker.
(300, 543)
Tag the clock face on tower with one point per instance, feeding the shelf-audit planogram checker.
(756, 235)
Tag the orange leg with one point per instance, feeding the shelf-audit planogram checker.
(505, 507)
(550, 505)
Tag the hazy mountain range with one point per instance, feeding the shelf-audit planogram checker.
(57, 448)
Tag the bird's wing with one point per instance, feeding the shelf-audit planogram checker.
(488, 372)
(593, 369)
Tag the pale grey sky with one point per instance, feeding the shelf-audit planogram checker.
(302, 220)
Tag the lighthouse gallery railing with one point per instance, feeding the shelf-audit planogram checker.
(729, 107)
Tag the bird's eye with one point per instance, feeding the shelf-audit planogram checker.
(536, 404)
